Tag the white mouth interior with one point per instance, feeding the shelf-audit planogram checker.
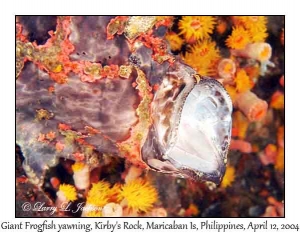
(196, 136)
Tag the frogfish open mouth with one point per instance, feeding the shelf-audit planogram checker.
(191, 128)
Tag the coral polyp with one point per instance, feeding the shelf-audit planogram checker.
(138, 195)
(196, 27)
(253, 21)
(68, 191)
(229, 177)
(175, 41)
(226, 68)
(238, 39)
(243, 82)
(98, 194)
(203, 56)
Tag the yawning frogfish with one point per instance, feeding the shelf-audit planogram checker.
(109, 85)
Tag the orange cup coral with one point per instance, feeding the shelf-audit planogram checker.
(226, 68)
(277, 100)
(196, 27)
(138, 195)
(81, 175)
(243, 82)
(174, 40)
(112, 210)
(238, 39)
(159, 212)
(65, 194)
(203, 57)
(229, 177)
(241, 145)
(254, 108)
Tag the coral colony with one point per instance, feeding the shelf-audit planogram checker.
(150, 116)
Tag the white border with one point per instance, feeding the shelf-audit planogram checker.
(7, 125)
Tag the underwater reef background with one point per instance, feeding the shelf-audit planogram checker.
(66, 67)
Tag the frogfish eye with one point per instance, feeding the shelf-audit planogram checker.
(191, 128)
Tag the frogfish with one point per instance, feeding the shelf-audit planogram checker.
(110, 85)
